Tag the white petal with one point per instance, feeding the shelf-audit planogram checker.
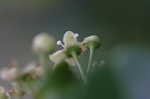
(70, 61)
(70, 39)
(57, 56)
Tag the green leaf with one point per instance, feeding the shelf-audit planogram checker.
(60, 80)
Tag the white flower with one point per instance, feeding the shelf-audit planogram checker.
(69, 40)
(43, 43)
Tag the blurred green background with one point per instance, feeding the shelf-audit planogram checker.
(123, 26)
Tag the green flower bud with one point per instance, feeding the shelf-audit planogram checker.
(43, 43)
(91, 41)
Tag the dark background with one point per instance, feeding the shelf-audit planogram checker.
(123, 26)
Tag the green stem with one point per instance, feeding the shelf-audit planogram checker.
(83, 77)
(90, 58)
(43, 59)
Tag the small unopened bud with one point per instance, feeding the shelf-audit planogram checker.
(43, 43)
(92, 41)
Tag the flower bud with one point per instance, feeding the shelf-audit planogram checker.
(43, 43)
(91, 41)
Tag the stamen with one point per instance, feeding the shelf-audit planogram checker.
(60, 43)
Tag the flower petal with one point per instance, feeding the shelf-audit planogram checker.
(70, 61)
(58, 56)
(70, 39)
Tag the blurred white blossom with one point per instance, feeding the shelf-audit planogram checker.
(9, 73)
(43, 43)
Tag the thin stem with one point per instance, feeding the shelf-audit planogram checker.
(43, 59)
(83, 77)
(90, 58)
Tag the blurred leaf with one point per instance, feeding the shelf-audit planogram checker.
(60, 80)
(103, 85)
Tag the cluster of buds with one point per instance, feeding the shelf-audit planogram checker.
(18, 77)
(43, 45)
(32, 71)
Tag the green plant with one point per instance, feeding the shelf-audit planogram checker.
(60, 71)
